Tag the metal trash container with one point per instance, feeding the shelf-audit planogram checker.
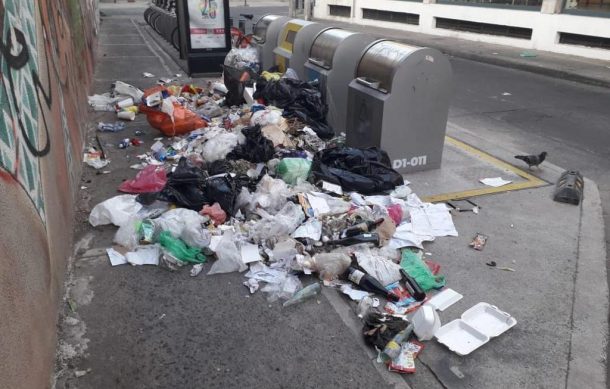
(289, 42)
(399, 101)
(302, 47)
(265, 35)
(333, 59)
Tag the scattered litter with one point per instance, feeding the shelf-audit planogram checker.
(495, 182)
(249, 253)
(491, 264)
(479, 241)
(476, 327)
(144, 255)
(303, 294)
(196, 269)
(506, 94)
(444, 299)
(354, 294)
(271, 191)
(528, 54)
(111, 127)
(94, 159)
(115, 257)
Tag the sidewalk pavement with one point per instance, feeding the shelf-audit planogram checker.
(146, 327)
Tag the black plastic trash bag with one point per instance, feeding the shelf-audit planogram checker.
(235, 80)
(256, 149)
(222, 190)
(366, 171)
(220, 166)
(379, 328)
(185, 186)
(298, 99)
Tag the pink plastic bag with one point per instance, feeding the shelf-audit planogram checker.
(215, 213)
(150, 179)
(395, 212)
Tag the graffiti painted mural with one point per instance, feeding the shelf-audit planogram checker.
(21, 143)
(46, 70)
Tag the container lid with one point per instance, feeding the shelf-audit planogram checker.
(488, 319)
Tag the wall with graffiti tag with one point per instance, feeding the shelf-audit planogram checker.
(46, 67)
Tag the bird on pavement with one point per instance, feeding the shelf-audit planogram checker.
(532, 160)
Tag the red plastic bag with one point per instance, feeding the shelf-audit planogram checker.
(150, 179)
(215, 213)
(395, 212)
(184, 121)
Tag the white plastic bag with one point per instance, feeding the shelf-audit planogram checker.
(229, 257)
(116, 210)
(124, 89)
(219, 146)
(384, 270)
(283, 223)
(266, 117)
(271, 195)
(127, 234)
(185, 224)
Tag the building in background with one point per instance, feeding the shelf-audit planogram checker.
(577, 27)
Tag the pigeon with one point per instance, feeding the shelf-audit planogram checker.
(532, 160)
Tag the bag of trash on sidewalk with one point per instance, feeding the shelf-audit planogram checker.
(215, 213)
(365, 171)
(293, 170)
(380, 328)
(116, 210)
(235, 80)
(246, 58)
(185, 224)
(257, 148)
(229, 257)
(150, 179)
(222, 190)
(219, 146)
(413, 264)
(185, 186)
(181, 121)
(179, 249)
(281, 224)
(329, 265)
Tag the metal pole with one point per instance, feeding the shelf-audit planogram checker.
(291, 8)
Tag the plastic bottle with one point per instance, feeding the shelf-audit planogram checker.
(392, 348)
(361, 228)
(306, 293)
(362, 238)
(368, 283)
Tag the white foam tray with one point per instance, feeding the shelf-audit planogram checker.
(476, 327)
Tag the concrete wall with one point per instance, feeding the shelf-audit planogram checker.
(46, 66)
(546, 24)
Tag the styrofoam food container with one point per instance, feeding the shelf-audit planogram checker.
(477, 325)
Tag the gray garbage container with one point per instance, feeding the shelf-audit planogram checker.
(333, 58)
(265, 35)
(302, 46)
(399, 101)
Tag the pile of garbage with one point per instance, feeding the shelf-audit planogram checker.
(268, 190)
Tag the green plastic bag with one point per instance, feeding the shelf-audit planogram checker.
(179, 249)
(293, 170)
(412, 263)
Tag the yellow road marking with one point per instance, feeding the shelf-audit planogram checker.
(530, 180)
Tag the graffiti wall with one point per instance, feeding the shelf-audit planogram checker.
(46, 67)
